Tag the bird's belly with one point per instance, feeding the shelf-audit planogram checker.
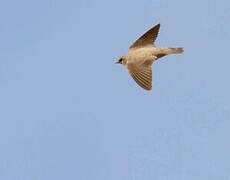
(141, 55)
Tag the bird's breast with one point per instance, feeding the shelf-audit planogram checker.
(141, 54)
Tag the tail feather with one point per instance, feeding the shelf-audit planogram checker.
(176, 50)
(166, 51)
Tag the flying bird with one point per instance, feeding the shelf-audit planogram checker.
(141, 55)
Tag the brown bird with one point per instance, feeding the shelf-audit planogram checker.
(141, 55)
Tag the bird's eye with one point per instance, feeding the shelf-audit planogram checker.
(120, 60)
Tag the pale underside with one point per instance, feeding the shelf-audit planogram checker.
(141, 56)
(139, 63)
(142, 53)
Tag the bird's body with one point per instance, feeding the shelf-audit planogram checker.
(149, 53)
(141, 56)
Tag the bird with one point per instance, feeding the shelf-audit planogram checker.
(142, 54)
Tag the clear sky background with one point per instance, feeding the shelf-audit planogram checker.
(68, 112)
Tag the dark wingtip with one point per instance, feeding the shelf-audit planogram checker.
(148, 89)
(158, 25)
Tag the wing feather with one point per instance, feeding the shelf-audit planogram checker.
(148, 38)
(143, 77)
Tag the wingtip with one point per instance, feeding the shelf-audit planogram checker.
(148, 90)
(158, 25)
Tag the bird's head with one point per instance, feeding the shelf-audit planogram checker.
(122, 60)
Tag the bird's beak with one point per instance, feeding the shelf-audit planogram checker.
(117, 62)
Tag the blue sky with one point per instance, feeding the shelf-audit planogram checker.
(68, 112)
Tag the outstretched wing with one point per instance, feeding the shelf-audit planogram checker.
(142, 76)
(148, 38)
